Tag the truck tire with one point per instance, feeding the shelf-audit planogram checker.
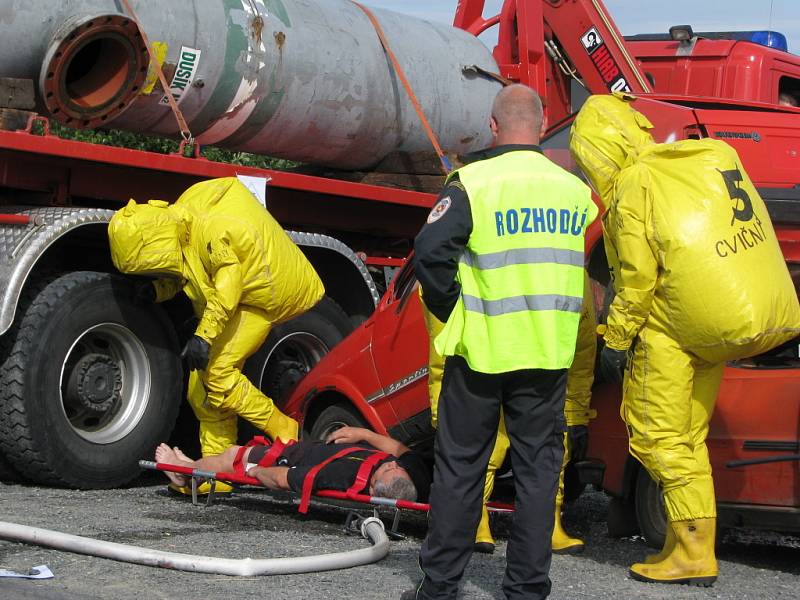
(650, 512)
(335, 417)
(90, 382)
(293, 348)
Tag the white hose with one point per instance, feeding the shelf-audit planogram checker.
(372, 529)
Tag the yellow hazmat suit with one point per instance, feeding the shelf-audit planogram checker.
(699, 279)
(243, 275)
(577, 412)
(577, 407)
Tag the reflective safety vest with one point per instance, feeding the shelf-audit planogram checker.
(521, 274)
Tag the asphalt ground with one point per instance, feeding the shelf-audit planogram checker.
(753, 565)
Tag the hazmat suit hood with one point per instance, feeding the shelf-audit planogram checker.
(146, 239)
(607, 135)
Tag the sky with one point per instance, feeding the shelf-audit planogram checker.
(653, 16)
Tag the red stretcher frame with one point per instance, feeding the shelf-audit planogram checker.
(331, 494)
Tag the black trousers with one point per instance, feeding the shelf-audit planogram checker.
(469, 414)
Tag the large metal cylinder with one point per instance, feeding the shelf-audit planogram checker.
(305, 80)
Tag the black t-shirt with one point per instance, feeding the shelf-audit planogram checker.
(341, 473)
(337, 475)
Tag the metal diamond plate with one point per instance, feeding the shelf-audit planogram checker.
(323, 241)
(21, 246)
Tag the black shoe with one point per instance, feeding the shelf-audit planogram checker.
(483, 547)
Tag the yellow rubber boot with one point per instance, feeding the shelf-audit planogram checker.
(561, 541)
(692, 560)
(203, 489)
(669, 546)
(279, 426)
(484, 542)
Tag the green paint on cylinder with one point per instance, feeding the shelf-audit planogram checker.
(258, 119)
(236, 44)
(277, 8)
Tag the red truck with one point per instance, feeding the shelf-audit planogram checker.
(377, 376)
(90, 382)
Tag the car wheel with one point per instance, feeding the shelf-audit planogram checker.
(650, 513)
(335, 417)
(89, 384)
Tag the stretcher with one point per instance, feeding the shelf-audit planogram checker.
(198, 476)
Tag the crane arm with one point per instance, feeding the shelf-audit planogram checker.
(544, 43)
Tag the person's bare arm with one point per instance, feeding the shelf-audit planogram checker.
(274, 478)
(354, 435)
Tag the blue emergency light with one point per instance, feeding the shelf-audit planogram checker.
(771, 39)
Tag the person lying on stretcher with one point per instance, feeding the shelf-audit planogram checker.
(401, 474)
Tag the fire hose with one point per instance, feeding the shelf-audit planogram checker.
(371, 528)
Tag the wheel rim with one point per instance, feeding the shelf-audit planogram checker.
(105, 383)
(289, 360)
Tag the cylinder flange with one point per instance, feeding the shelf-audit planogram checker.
(93, 69)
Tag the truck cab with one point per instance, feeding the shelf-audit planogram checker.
(750, 66)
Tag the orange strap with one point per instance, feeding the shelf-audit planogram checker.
(446, 166)
(186, 134)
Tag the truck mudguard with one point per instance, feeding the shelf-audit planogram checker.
(24, 245)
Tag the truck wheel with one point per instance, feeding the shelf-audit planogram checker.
(650, 512)
(293, 348)
(90, 383)
(335, 417)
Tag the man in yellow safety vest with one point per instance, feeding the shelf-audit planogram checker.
(500, 262)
